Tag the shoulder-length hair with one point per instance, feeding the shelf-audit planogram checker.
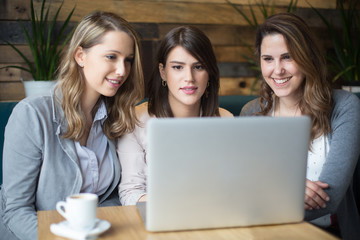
(199, 46)
(120, 107)
(317, 100)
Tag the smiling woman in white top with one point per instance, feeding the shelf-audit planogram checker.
(184, 83)
(294, 84)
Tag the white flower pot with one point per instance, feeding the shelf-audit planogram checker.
(38, 88)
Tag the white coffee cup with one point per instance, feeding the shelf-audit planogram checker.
(79, 210)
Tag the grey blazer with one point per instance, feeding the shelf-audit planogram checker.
(40, 167)
(340, 164)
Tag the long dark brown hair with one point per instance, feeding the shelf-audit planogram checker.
(199, 46)
(317, 102)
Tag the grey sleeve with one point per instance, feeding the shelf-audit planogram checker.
(22, 156)
(344, 152)
(250, 108)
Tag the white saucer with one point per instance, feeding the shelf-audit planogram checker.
(63, 229)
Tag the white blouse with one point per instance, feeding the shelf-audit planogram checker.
(96, 162)
(316, 159)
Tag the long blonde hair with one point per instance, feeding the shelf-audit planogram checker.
(317, 99)
(120, 108)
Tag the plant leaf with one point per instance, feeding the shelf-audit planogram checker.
(44, 44)
(18, 67)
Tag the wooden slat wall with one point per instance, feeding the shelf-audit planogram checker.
(225, 27)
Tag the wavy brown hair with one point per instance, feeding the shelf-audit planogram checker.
(317, 102)
(199, 46)
(120, 108)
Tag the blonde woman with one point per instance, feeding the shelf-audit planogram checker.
(62, 144)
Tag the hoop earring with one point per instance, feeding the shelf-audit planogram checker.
(163, 83)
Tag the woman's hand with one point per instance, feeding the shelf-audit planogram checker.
(143, 198)
(315, 196)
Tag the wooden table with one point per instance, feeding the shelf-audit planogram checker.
(126, 224)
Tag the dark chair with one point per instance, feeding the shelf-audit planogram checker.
(356, 178)
(234, 103)
(5, 111)
(356, 185)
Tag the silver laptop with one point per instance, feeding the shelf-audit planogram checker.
(225, 172)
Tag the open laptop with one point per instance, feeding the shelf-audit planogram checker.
(225, 172)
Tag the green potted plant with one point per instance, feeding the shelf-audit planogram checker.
(345, 59)
(45, 44)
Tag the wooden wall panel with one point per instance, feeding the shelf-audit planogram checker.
(223, 35)
(23, 74)
(231, 53)
(10, 74)
(8, 55)
(227, 30)
(228, 69)
(11, 87)
(11, 91)
(165, 11)
(14, 9)
(238, 86)
(11, 31)
(155, 10)
(330, 4)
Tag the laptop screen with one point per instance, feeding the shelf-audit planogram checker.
(225, 172)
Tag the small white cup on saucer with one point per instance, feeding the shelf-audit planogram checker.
(79, 210)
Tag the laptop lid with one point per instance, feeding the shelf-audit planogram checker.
(225, 172)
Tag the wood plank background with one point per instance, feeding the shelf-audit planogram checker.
(227, 30)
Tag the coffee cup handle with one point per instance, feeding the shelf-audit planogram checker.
(60, 207)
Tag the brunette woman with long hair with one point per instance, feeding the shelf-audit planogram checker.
(184, 83)
(295, 84)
